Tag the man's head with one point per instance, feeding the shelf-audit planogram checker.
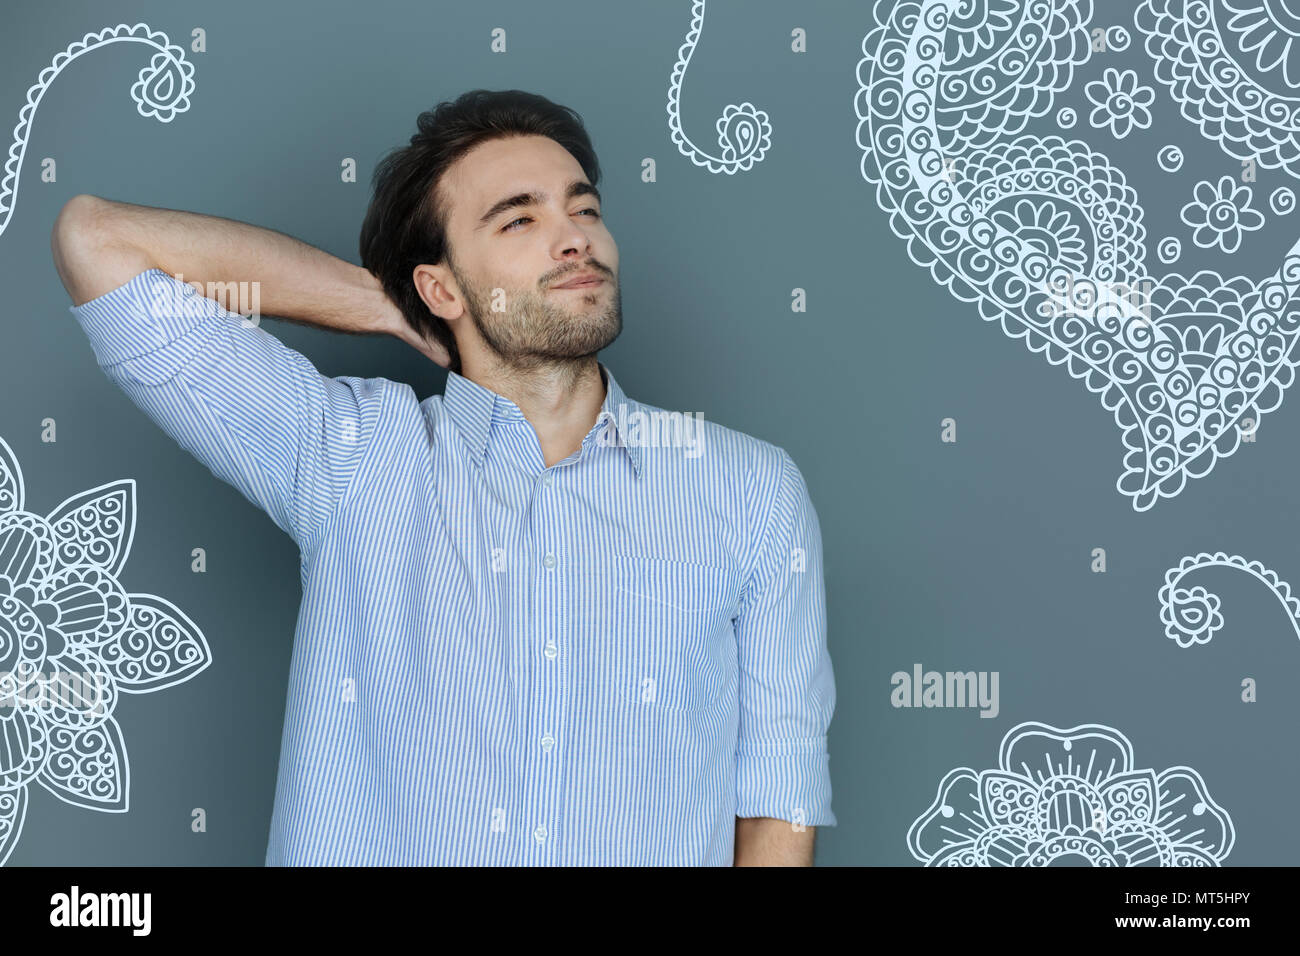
(474, 224)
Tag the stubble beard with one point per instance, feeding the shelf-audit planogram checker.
(535, 330)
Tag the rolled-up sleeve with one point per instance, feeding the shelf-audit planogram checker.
(252, 410)
(786, 684)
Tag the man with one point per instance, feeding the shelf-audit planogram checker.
(531, 633)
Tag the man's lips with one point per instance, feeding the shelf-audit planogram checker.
(582, 282)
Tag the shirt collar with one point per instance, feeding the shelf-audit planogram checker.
(474, 409)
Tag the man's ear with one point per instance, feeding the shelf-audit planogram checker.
(436, 286)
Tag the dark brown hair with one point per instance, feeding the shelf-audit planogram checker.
(406, 223)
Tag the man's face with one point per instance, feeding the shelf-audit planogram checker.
(510, 252)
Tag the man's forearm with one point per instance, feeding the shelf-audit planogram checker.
(765, 841)
(98, 244)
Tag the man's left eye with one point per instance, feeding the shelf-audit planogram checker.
(509, 227)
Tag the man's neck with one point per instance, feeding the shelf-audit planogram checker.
(560, 400)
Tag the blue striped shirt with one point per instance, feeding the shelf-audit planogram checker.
(604, 661)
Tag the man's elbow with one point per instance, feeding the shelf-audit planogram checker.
(74, 227)
(88, 256)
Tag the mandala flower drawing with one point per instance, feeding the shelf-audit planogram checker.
(948, 97)
(1267, 30)
(1220, 213)
(1071, 798)
(1120, 102)
(1231, 66)
(162, 91)
(72, 640)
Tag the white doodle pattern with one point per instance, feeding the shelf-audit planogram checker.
(1192, 615)
(1178, 360)
(744, 133)
(1219, 213)
(1119, 102)
(63, 611)
(1071, 796)
(162, 90)
(1232, 66)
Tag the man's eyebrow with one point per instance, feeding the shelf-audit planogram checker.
(576, 188)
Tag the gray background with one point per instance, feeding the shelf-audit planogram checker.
(972, 555)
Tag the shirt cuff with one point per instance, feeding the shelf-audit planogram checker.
(794, 786)
(144, 314)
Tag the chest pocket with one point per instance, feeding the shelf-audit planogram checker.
(673, 649)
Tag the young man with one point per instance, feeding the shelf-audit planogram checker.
(534, 631)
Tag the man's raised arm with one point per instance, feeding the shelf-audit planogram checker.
(99, 244)
(256, 413)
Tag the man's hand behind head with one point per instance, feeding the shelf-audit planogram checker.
(429, 346)
(389, 319)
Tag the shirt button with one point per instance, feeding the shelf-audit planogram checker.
(549, 560)
(550, 650)
(548, 742)
(546, 478)
(540, 834)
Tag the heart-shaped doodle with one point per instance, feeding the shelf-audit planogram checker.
(1045, 234)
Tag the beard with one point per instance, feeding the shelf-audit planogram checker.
(544, 328)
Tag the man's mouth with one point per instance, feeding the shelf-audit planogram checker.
(582, 282)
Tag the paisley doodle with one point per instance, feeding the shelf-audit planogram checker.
(744, 133)
(1061, 797)
(162, 90)
(1232, 66)
(1178, 360)
(1192, 616)
(64, 614)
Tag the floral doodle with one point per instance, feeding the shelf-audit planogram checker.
(1219, 213)
(63, 612)
(1071, 797)
(946, 90)
(162, 90)
(1119, 102)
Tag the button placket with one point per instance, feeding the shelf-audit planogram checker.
(549, 681)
